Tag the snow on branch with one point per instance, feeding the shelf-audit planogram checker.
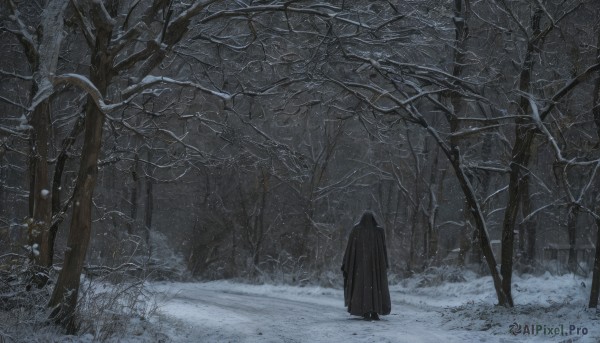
(84, 83)
(129, 93)
(567, 88)
(8, 101)
(343, 183)
(471, 131)
(81, 82)
(151, 47)
(286, 7)
(535, 115)
(180, 140)
(191, 11)
(350, 87)
(17, 76)
(543, 8)
(23, 32)
(124, 39)
(9, 131)
(150, 80)
(589, 183)
(85, 25)
(536, 211)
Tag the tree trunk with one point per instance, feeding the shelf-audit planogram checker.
(259, 221)
(67, 287)
(431, 242)
(461, 29)
(572, 217)
(57, 216)
(596, 112)
(64, 297)
(504, 299)
(149, 209)
(40, 192)
(528, 231)
(411, 249)
(596, 274)
(135, 176)
(596, 95)
(43, 61)
(524, 227)
(521, 154)
(486, 150)
(232, 260)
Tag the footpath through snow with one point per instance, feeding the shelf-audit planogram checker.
(424, 309)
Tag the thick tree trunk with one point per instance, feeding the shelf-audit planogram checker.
(486, 150)
(64, 298)
(521, 154)
(43, 64)
(67, 287)
(461, 29)
(57, 216)
(524, 227)
(40, 192)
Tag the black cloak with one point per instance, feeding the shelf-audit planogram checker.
(365, 269)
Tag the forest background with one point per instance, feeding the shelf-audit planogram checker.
(242, 139)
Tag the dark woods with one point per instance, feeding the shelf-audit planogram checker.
(224, 139)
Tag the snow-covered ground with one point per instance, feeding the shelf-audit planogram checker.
(548, 309)
(425, 308)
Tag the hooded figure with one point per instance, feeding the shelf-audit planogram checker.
(365, 264)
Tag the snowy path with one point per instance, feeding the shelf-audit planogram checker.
(209, 314)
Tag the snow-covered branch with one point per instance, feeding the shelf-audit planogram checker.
(150, 80)
(127, 37)
(152, 46)
(567, 88)
(85, 25)
(79, 81)
(9, 131)
(343, 182)
(129, 93)
(23, 33)
(11, 102)
(180, 140)
(17, 76)
(317, 10)
(471, 131)
(536, 211)
(535, 115)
